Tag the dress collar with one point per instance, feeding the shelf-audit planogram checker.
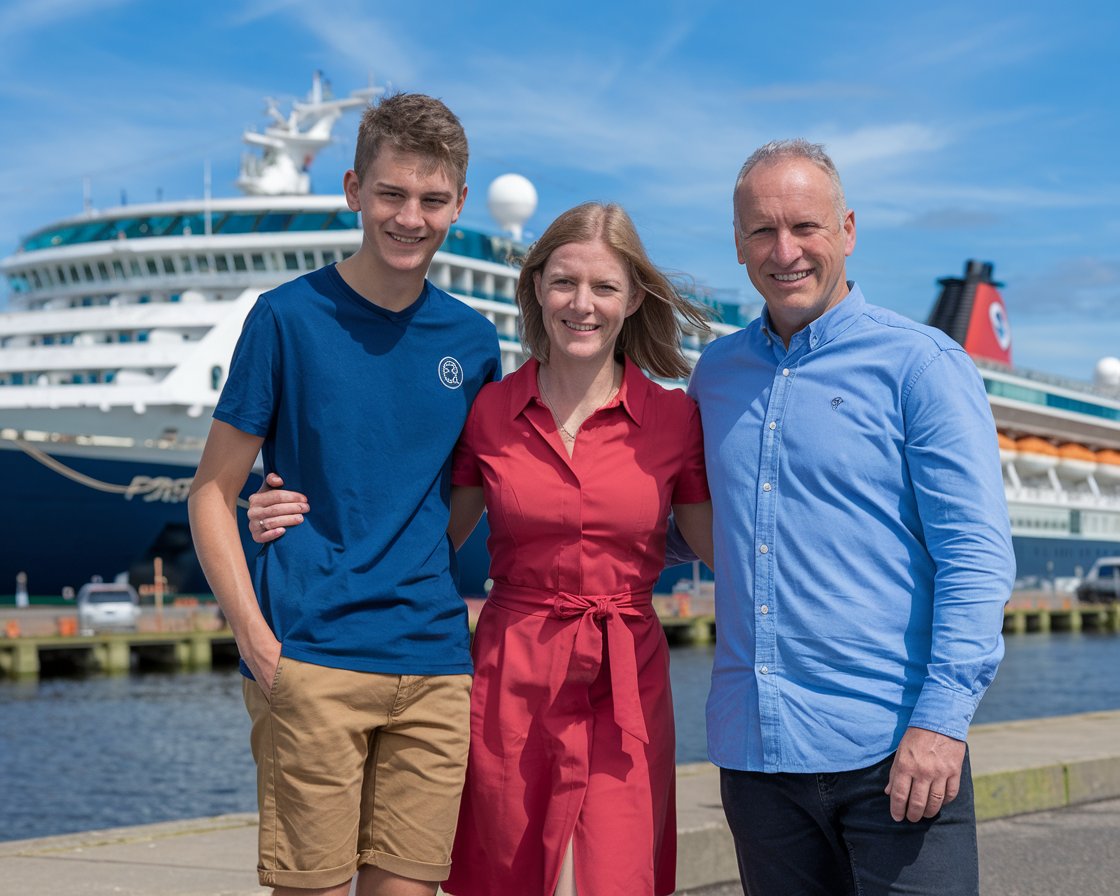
(631, 395)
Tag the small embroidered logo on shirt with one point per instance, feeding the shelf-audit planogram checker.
(450, 373)
(836, 402)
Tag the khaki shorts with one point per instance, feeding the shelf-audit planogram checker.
(355, 768)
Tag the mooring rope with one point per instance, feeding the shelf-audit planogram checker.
(73, 475)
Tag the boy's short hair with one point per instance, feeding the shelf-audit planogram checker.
(413, 123)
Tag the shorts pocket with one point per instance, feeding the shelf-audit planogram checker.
(275, 682)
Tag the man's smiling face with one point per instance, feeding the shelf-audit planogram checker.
(790, 238)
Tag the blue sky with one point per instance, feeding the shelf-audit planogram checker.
(962, 130)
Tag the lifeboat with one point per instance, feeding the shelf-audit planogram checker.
(1076, 461)
(1007, 450)
(1035, 455)
(1108, 466)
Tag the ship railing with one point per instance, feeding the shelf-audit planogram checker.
(1108, 498)
(1049, 379)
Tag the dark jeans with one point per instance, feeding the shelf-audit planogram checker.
(833, 835)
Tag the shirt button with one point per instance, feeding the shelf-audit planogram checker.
(766, 486)
(773, 425)
(763, 549)
(764, 609)
(765, 670)
(785, 371)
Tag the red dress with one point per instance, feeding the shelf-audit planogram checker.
(571, 713)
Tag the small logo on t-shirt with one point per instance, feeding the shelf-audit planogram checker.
(450, 373)
(836, 402)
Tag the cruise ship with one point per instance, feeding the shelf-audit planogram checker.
(1059, 439)
(121, 325)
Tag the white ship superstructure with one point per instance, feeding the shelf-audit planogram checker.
(1060, 447)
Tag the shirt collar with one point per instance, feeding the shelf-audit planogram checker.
(632, 394)
(826, 327)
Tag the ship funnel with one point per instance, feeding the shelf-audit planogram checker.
(971, 311)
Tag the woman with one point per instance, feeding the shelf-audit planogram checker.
(578, 458)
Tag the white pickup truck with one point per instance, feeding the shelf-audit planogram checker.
(1102, 584)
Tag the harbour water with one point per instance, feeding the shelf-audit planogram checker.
(84, 753)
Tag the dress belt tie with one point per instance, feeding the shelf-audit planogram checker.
(587, 654)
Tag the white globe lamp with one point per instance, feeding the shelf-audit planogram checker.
(512, 199)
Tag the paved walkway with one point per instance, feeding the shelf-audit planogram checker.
(1046, 764)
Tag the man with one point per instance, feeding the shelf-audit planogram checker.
(351, 632)
(863, 558)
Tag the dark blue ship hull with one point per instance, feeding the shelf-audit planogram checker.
(73, 523)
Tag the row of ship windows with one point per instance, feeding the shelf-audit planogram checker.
(459, 281)
(1048, 399)
(87, 377)
(97, 301)
(506, 325)
(1060, 524)
(1078, 523)
(108, 337)
(188, 224)
(41, 379)
(158, 266)
(472, 243)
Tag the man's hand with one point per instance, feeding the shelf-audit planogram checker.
(272, 510)
(925, 774)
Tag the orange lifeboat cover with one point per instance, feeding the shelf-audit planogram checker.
(1035, 445)
(1108, 456)
(1074, 451)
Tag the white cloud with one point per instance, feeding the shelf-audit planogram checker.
(363, 42)
(814, 92)
(995, 42)
(874, 144)
(20, 18)
(1077, 287)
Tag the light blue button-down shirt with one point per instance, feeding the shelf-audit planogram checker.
(863, 549)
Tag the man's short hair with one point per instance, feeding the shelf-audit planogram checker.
(797, 148)
(416, 124)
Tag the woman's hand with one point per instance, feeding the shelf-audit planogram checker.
(272, 510)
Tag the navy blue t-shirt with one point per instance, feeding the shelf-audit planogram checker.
(360, 408)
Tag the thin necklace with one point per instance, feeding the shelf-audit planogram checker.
(563, 429)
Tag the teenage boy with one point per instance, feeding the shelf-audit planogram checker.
(352, 635)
